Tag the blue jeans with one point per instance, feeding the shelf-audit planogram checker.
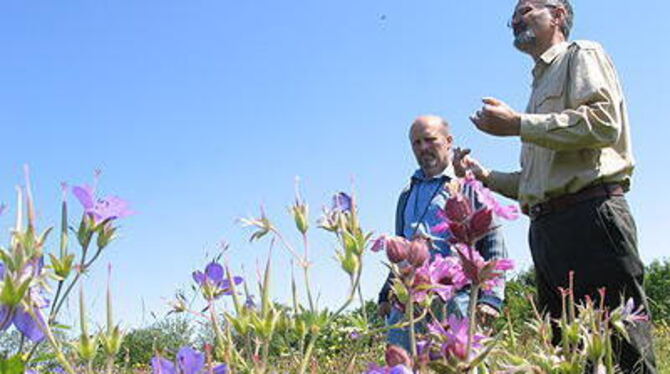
(458, 306)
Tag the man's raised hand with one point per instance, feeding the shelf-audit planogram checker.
(497, 118)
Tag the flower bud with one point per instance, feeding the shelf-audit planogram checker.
(397, 249)
(300, 213)
(418, 252)
(350, 263)
(396, 355)
(459, 233)
(458, 208)
(480, 224)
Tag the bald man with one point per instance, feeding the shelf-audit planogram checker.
(417, 212)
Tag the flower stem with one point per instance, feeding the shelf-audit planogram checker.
(412, 333)
(308, 287)
(472, 316)
(362, 300)
(308, 353)
(54, 344)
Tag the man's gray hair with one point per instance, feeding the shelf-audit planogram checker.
(569, 14)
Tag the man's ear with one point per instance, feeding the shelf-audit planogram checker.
(559, 14)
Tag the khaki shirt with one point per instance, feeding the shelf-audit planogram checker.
(575, 130)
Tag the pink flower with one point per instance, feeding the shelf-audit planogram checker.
(457, 338)
(486, 273)
(631, 315)
(485, 196)
(443, 276)
(396, 355)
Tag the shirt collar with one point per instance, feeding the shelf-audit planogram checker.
(447, 173)
(550, 55)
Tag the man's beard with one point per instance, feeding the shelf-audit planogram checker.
(525, 38)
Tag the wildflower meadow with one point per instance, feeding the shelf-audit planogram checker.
(262, 335)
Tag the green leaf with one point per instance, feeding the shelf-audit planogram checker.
(12, 365)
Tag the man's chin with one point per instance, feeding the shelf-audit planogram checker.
(524, 41)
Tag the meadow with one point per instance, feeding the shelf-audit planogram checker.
(258, 334)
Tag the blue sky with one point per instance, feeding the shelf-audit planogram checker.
(199, 111)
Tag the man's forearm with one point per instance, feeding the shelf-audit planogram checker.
(506, 184)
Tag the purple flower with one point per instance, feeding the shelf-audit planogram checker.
(190, 361)
(342, 202)
(375, 369)
(22, 318)
(398, 369)
(213, 276)
(31, 328)
(3, 207)
(101, 209)
(162, 365)
(221, 369)
(379, 244)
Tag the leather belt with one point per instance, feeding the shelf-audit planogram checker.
(564, 202)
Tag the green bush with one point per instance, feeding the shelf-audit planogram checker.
(657, 285)
(168, 335)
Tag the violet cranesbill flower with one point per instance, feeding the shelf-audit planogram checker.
(214, 279)
(26, 316)
(398, 369)
(189, 361)
(342, 202)
(101, 209)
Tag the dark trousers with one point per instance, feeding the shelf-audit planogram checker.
(597, 240)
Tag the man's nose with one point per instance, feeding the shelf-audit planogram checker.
(423, 146)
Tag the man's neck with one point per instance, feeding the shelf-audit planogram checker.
(543, 47)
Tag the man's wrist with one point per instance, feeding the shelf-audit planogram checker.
(483, 175)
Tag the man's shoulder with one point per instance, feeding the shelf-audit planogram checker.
(586, 45)
(406, 188)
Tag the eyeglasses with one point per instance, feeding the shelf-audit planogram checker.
(524, 10)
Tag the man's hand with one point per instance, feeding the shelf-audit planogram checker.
(463, 162)
(383, 309)
(497, 118)
(486, 314)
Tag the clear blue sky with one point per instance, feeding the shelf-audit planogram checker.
(198, 111)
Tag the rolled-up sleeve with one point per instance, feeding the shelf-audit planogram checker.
(506, 184)
(594, 93)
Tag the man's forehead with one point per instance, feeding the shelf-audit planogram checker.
(426, 128)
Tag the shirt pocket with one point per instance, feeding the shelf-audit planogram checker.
(550, 97)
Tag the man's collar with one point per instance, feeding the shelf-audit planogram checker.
(420, 176)
(549, 56)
